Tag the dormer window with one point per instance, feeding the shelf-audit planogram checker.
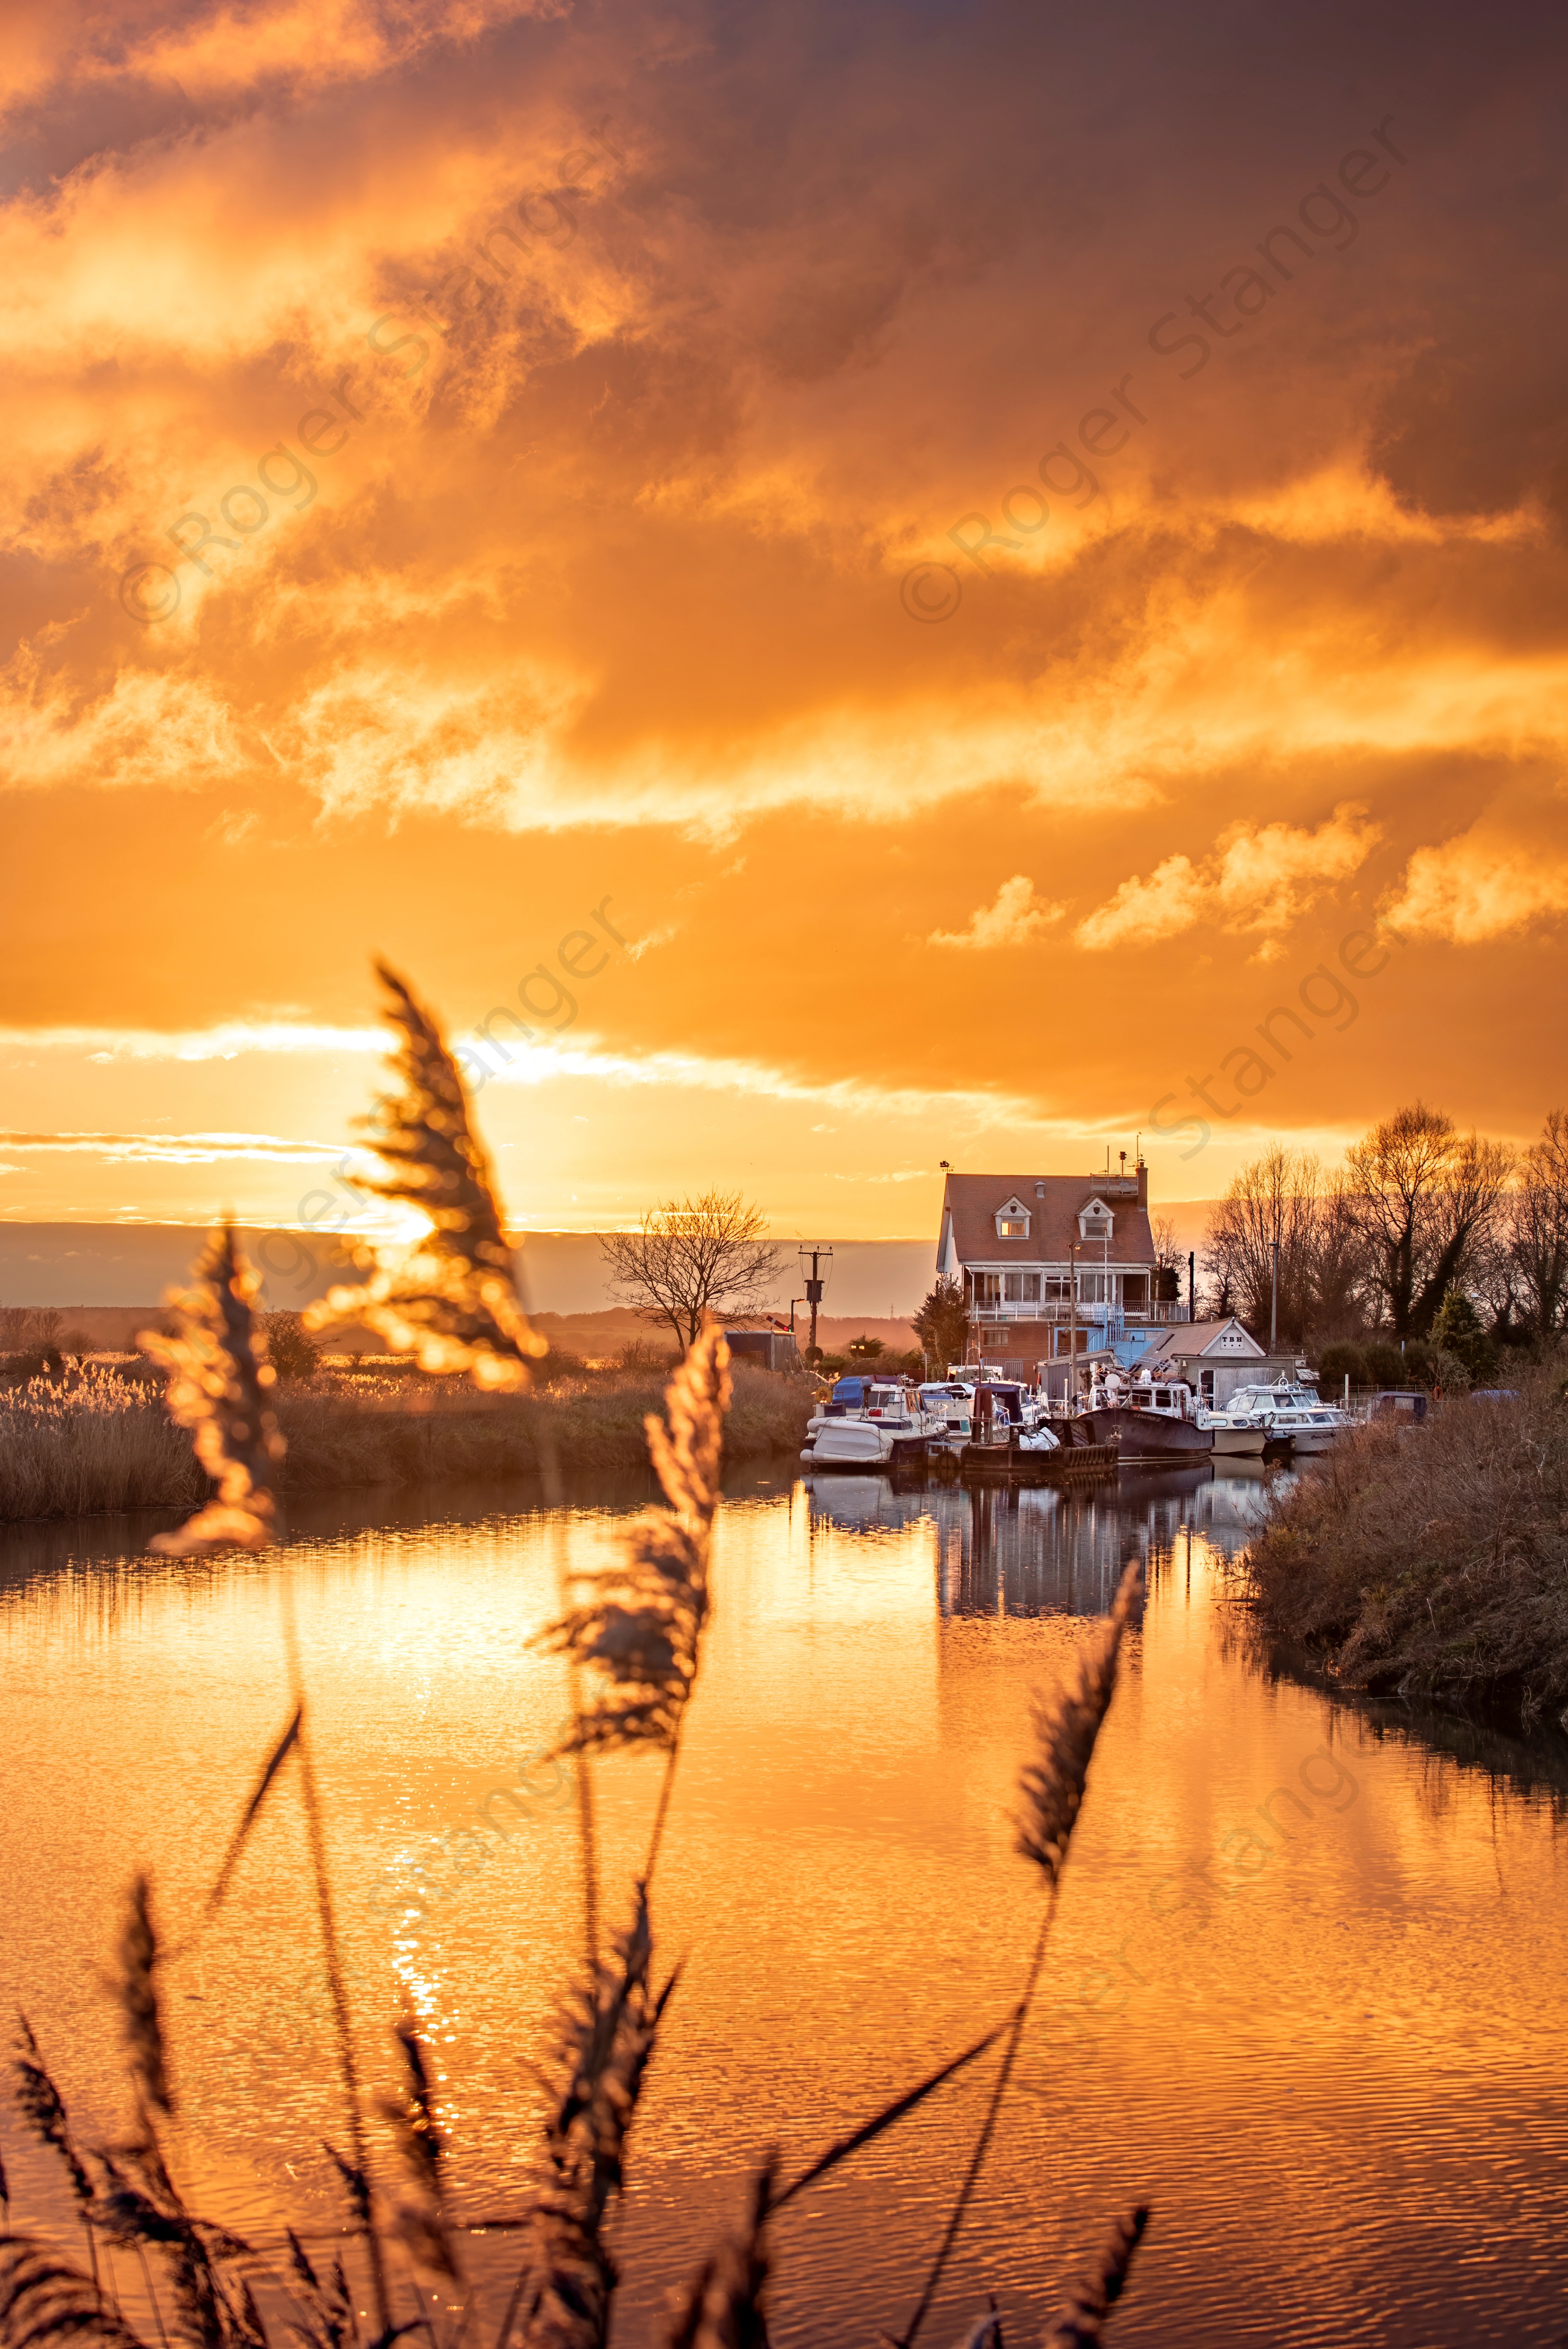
(1013, 1221)
(1096, 1221)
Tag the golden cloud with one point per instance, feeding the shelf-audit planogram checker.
(1257, 879)
(1017, 918)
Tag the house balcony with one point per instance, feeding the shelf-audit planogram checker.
(1142, 1317)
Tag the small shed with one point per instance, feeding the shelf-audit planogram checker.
(1213, 1357)
(771, 1349)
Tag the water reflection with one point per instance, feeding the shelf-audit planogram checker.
(1012, 1549)
(1295, 1989)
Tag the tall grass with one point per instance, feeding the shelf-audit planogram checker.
(80, 1444)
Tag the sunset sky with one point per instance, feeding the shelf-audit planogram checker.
(826, 561)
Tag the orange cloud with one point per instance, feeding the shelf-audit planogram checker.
(1015, 918)
(1483, 884)
(1258, 879)
(602, 378)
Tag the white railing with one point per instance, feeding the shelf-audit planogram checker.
(1023, 1310)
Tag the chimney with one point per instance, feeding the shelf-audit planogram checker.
(1142, 1185)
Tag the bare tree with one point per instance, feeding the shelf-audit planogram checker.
(694, 1256)
(1526, 1277)
(1284, 1200)
(1339, 1280)
(1269, 1206)
(1423, 1197)
(1169, 1254)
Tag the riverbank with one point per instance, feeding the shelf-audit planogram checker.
(1432, 1560)
(77, 1448)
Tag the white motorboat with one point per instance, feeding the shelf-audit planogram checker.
(952, 1401)
(1289, 1412)
(1312, 1427)
(1005, 1416)
(1240, 1433)
(883, 1424)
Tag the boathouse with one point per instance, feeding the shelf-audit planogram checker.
(1215, 1357)
(1052, 1263)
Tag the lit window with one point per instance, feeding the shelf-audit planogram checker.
(1014, 1227)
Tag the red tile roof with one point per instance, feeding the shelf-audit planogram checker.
(972, 1202)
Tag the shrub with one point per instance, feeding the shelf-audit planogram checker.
(290, 1349)
(1432, 1558)
(1342, 1361)
(1386, 1364)
(1433, 1367)
(644, 1354)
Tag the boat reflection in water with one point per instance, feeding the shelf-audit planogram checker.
(1023, 1550)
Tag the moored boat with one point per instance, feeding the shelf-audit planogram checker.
(1148, 1421)
(883, 1425)
(1290, 1413)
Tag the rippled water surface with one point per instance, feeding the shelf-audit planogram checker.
(1305, 1992)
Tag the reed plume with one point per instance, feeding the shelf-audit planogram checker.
(606, 2038)
(418, 2214)
(43, 2298)
(141, 2207)
(639, 1631)
(219, 1387)
(1092, 2295)
(42, 2108)
(1066, 1724)
(136, 1990)
(452, 1302)
(722, 2308)
(330, 2322)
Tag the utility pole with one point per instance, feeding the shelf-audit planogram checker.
(1072, 1320)
(1273, 1297)
(1192, 1284)
(813, 1281)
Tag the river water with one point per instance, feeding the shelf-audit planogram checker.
(1304, 1994)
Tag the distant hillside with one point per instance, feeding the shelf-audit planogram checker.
(128, 1264)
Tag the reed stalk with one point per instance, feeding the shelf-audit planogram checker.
(342, 2024)
(1051, 1785)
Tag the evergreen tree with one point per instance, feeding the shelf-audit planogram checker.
(942, 1324)
(1457, 1330)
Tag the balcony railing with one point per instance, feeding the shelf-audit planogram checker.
(1024, 1309)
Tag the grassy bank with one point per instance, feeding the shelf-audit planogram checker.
(1433, 1561)
(77, 1448)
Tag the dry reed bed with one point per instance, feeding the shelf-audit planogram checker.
(1433, 1561)
(79, 1447)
